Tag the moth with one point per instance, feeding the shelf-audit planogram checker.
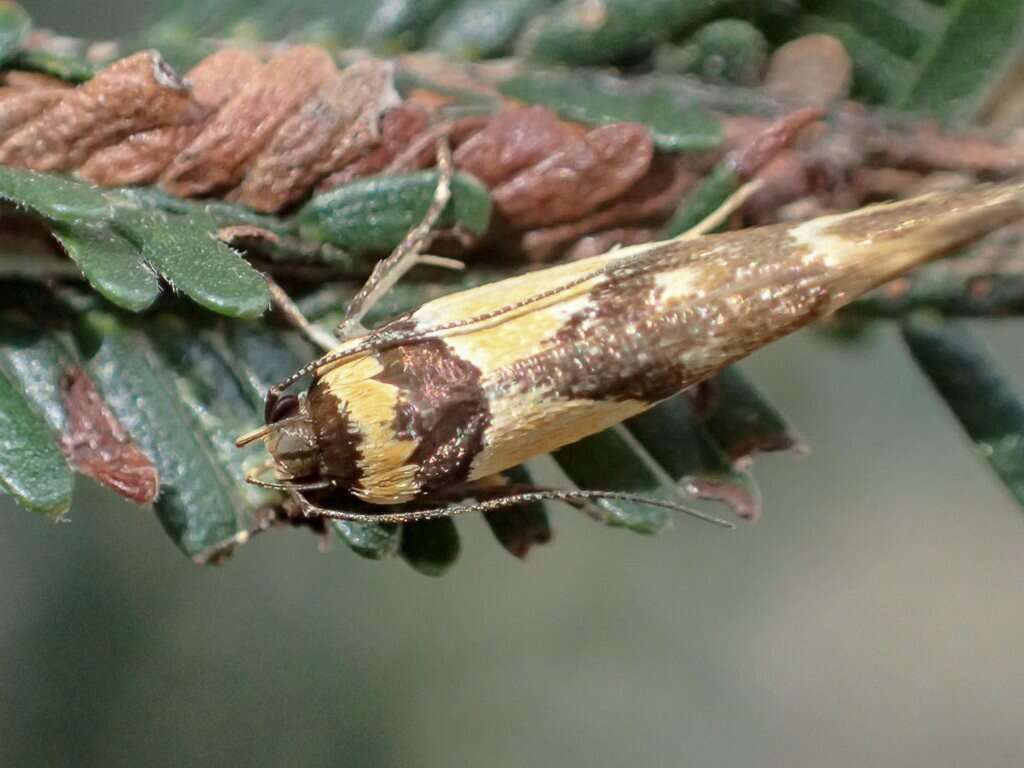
(430, 408)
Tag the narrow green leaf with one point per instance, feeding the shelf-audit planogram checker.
(968, 379)
(478, 29)
(67, 68)
(742, 422)
(32, 467)
(954, 75)
(603, 99)
(15, 25)
(112, 265)
(402, 24)
(689, 455)
(608, 461)
(374, 542)
(518, 529)
(35, 361)
(728, 50)
(220, 406)
(707, 198)
(431, 547)
(262, 355)
(879, 73)
(196, 263)
(902, 26)
(198, 506)
(374, 215)
(580, 32)
(54, 197)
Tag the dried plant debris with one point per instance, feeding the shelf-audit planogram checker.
(97, 445)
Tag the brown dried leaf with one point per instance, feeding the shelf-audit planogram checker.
(135, 94)
(602, 242)
(19, 106)
(139, 159)
(577, 179)
(398, 128)
(14, 78)
(338, 124)
(142, 157)
(220, 76)
(97, 445)
(216, 158)
(653, 197)
(815, 70)
(512, 141)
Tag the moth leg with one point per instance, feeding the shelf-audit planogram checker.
(728, 207)
(406, 256)
(284, 304)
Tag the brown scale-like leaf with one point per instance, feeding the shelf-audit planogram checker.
(577, 179)
(654, 196)
(98, 446)
(216, 159)
(142, 157)
(338, 124)
(135, 94)
(512, 141)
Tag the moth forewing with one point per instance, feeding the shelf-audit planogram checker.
(479, 381)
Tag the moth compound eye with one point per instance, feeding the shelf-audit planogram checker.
(283, 408)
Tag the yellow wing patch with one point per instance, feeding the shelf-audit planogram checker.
(386, 476)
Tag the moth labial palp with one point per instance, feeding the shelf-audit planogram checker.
(476, 382)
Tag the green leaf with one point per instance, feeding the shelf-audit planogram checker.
(903, 26)
(15, 25)
(966, 377)
(54, 197)
(579, 32)
(431, 547)
(956, 72)
(728, 50)
(401, 24)
(603, 99)
(375, 215)
(32, 467)
(519, 528)
(221, 407)
(742, 422)
(112, 265)
(198, 504)
(675, 440)
(878, 72)
(195, 263)
(609, 461)
(476, 29)
(32, 358)
(374, 542)
(707, 198)
(68, 68)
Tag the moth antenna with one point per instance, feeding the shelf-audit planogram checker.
(390, 270)
(309, 508)
(287, 307)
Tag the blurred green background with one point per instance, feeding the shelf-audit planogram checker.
(873, 617)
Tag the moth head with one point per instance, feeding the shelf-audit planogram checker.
(289, 437)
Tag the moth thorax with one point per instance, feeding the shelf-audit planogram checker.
(292, 442)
